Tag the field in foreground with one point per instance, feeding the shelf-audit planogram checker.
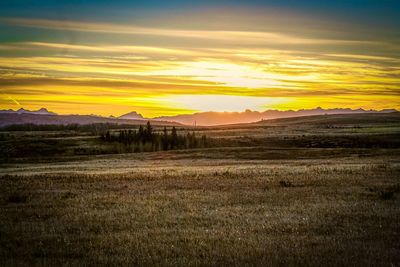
(313, 191)
(323, 207)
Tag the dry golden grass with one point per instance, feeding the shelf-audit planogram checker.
(185, 209)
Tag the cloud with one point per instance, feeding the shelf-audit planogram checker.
(237, 36)
(365, 57)
(108, 48)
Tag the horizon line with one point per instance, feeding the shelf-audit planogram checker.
(202, 112)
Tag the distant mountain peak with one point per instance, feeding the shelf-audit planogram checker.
(131, 116)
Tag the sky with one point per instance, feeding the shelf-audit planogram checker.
(177, 57)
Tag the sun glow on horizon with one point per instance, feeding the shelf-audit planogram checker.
(225, 73)
(223, 103)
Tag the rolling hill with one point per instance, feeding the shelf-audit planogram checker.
(336, 120)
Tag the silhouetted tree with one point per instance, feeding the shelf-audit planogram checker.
(204, 140)
(149, 132)
(165, 139)
(140, 133)
(174, 138)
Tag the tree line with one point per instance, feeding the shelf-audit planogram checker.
(93, 128)
(146, 139)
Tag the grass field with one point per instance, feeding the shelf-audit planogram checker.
(268, 204)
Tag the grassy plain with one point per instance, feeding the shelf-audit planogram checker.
(279, 196)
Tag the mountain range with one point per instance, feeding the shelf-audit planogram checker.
(43, 116)
(42, 111)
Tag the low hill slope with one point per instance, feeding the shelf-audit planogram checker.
(338, 119)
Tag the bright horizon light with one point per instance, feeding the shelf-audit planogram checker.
(224, 103)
